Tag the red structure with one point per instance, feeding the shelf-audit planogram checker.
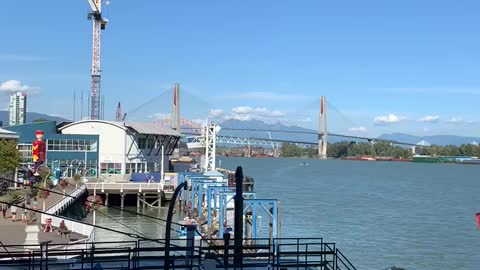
(477, 216)
(39, 151)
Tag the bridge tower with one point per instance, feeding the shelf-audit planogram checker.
(176, 108)
(210, 147)
(322, 130)
(176, 115)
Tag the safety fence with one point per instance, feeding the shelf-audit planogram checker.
(282, 253)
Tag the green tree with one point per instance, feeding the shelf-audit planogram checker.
(40, 120)
(291, 150)
(10, 157)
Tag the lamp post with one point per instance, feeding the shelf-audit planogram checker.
(168, 226)
(45, 185)
(85, 180)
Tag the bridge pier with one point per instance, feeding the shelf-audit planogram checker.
(106, 199)
(122, 200)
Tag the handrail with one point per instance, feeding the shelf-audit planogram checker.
(73, 226)
(132, 186)
(343, 259)
(127, 254)
(6, 249)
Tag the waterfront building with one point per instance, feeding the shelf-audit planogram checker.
(116, 149)
(128, 147)
(77, 152)
(18, 109)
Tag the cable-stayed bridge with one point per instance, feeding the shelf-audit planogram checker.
(195, 131)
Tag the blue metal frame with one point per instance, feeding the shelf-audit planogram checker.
(223, 207)
(197, 189)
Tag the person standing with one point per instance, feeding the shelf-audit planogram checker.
(13, 210)
(34, 203)
(24, 212)
(4, 210)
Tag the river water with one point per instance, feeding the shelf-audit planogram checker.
(380, 214)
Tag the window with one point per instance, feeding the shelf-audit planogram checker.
(142, 142)
(110, 168)
(74, 145)
(150, 143)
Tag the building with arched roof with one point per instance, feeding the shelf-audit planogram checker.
(106, 147)
(127, 147)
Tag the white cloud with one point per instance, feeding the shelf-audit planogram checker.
(455, 120)
(259, 95)
(214, 113)
(258, 111)
(245, 113)
(430, 119)
(12, 86)
(387, 119)
(357, 129)
(306, 120)
(160, 116)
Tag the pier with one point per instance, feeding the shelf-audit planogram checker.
(147, 194)
(31, 232)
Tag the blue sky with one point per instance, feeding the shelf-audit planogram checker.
(388, 66)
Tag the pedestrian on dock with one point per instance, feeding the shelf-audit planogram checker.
(4, 210)
(13, 210)
(24, 212)
(34, 203)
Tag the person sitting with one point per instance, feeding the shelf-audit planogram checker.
(63, 229)
(48, 225)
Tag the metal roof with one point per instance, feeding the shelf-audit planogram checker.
(138, 127)
(151, 128)
(7, 134)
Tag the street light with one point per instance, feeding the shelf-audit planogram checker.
(85, 180)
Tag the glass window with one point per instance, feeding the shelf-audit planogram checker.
(142, 141)
(150, 143)
(75, 145)
(69, 145)
(93, 145)
(103, 168)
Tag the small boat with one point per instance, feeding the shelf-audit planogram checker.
(303, 164)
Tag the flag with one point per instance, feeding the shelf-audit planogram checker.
(477, 215)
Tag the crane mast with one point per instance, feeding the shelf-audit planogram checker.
(99, 23)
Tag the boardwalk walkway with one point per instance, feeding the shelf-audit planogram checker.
(14, 232)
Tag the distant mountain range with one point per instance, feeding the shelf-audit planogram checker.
(257, 124)
(434, 139)
(31, 116)
(288, 135)
(260, 125)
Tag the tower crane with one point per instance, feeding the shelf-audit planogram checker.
(99, 23)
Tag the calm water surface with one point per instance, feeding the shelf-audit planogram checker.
(416, 216)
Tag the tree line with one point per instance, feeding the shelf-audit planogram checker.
(379, 149)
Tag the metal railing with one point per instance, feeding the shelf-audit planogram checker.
(136, 187)
(73, 226)
(282, 253)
